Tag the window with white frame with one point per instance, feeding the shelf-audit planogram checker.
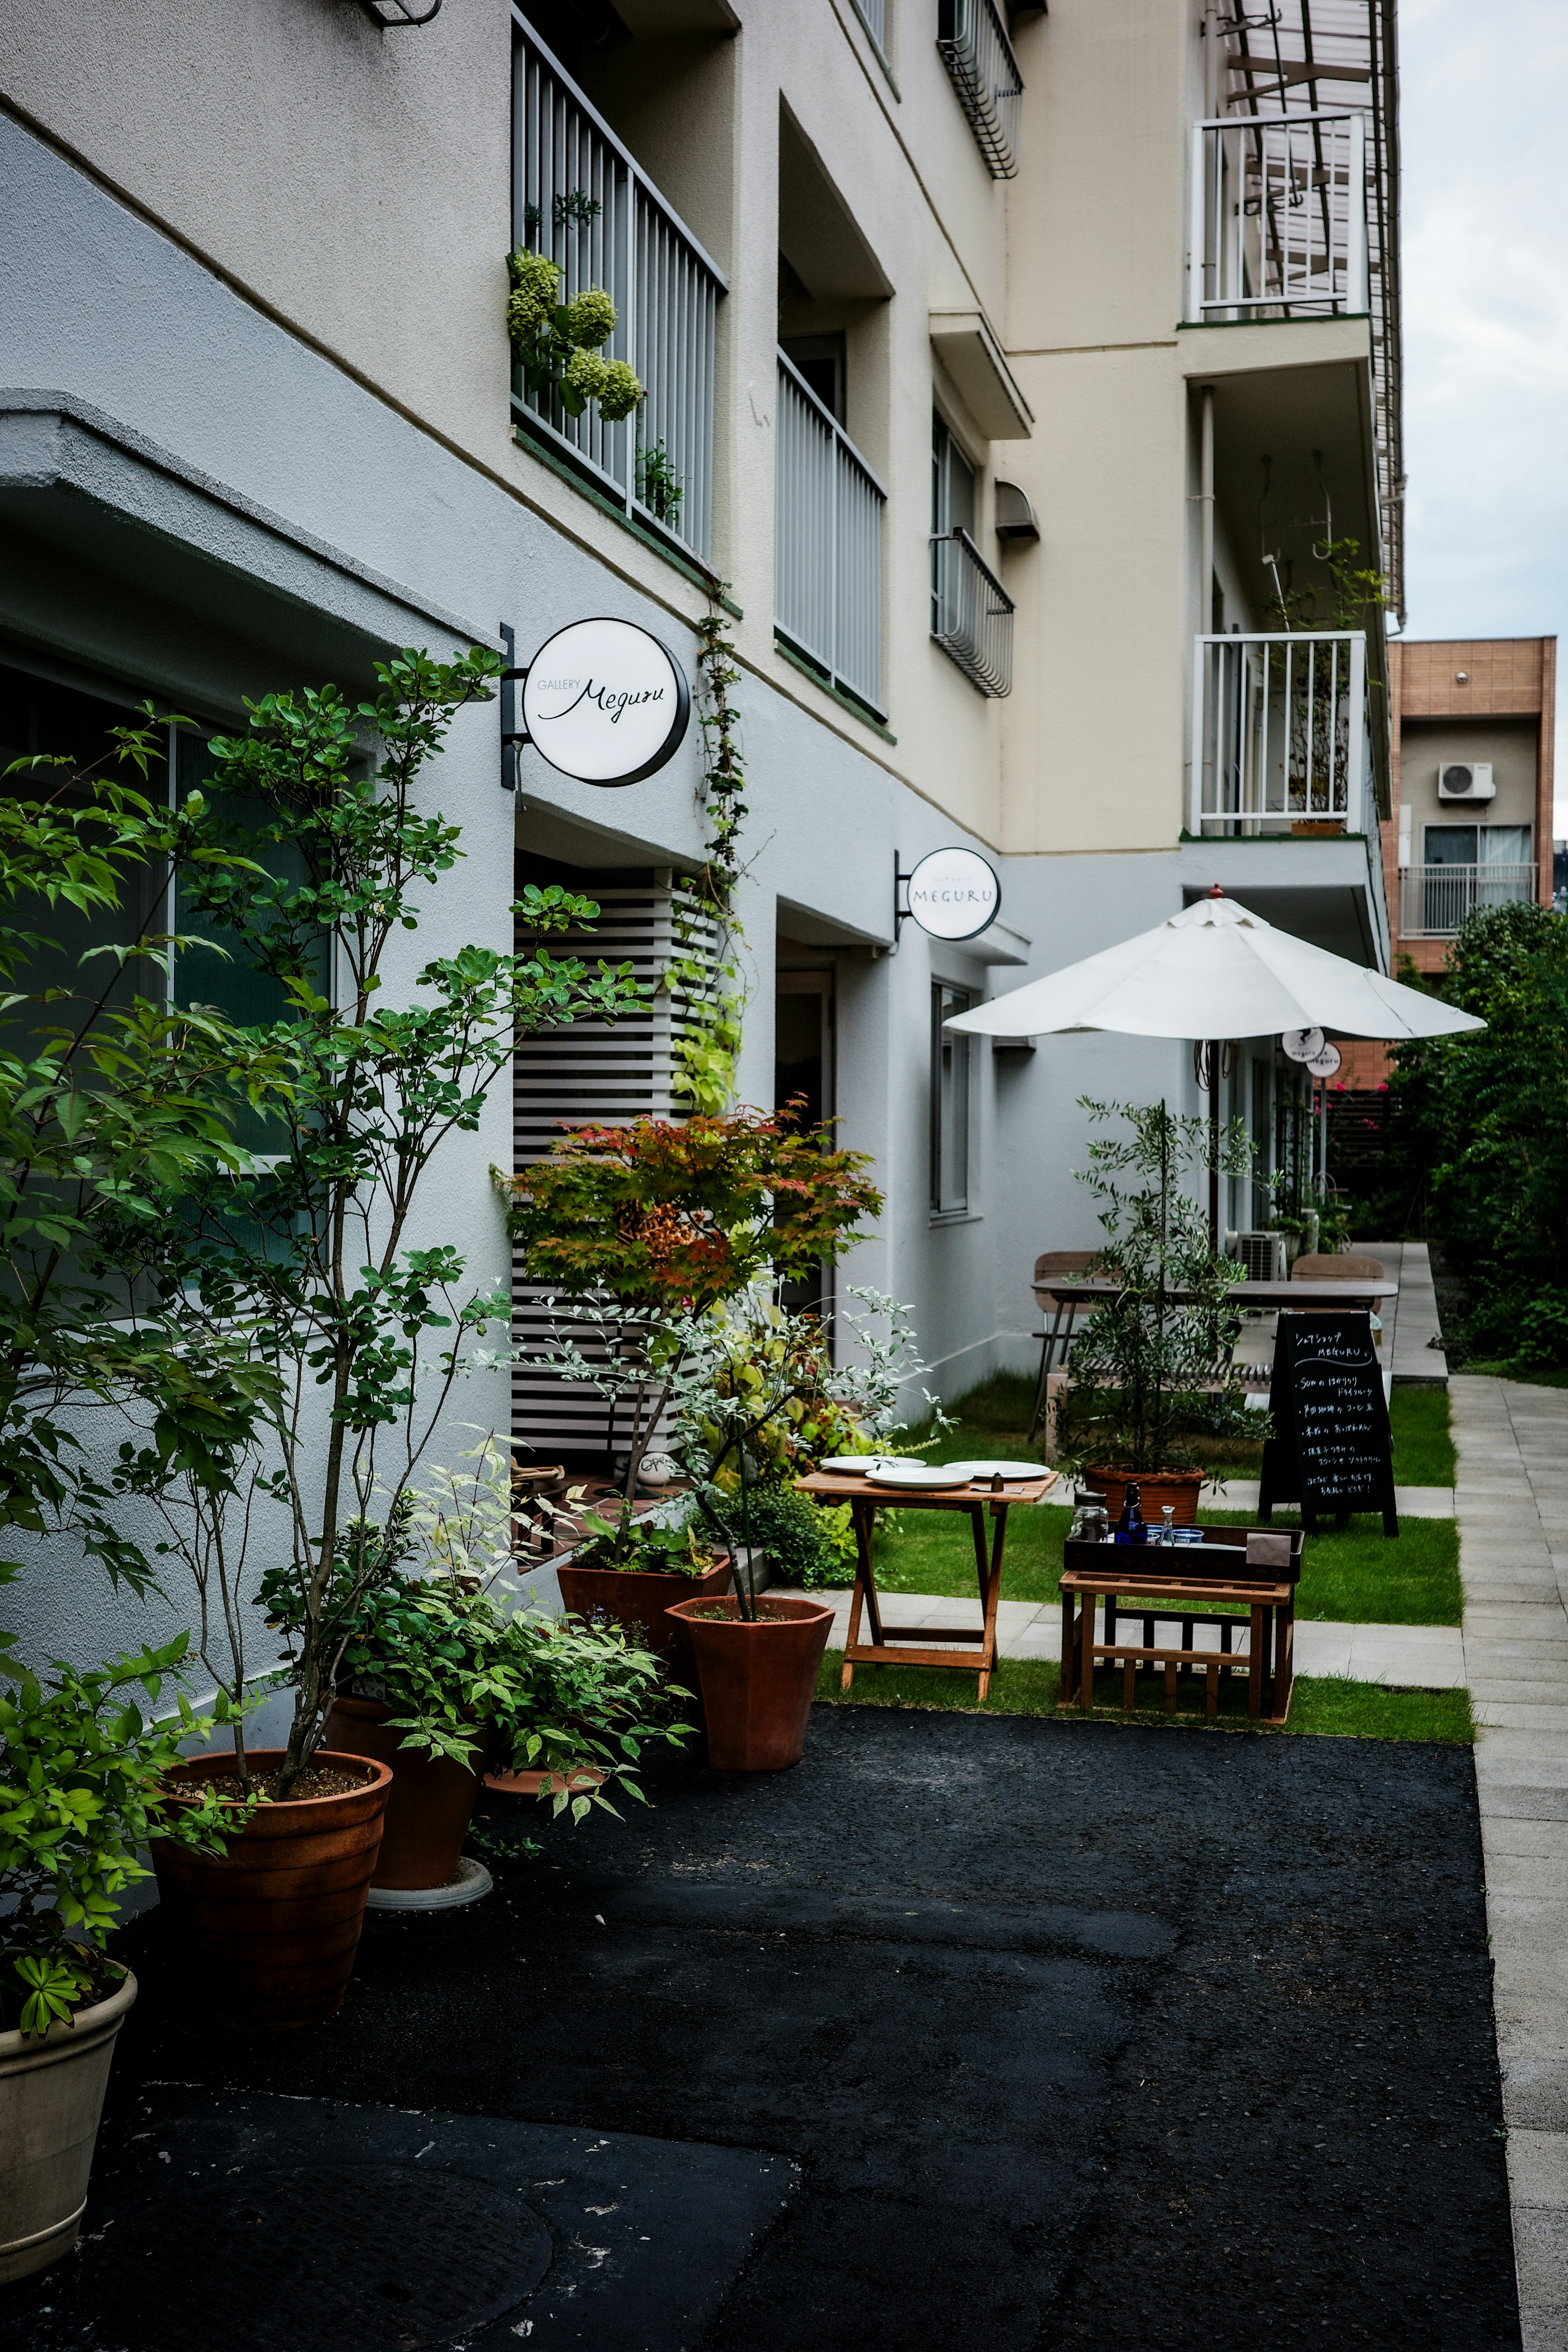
(949, 1093)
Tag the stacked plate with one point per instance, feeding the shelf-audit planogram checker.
(927, 1477)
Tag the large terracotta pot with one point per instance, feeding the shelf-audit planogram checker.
(267, 1932)
(431, 1803)
(756, 1677)
(640, 1600)
(51, 2095)
(1180, 1489)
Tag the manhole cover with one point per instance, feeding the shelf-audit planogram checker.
(377, 2259)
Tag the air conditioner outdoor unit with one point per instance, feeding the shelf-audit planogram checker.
(1262, 1255)
(1466, 779)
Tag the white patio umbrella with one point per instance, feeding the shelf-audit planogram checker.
(1214, 971)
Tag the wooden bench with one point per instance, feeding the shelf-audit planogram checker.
(1172, 1586)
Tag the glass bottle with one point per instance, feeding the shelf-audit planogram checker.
(1130, 1527)
(1167, 1532)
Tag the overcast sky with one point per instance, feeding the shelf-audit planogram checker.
(1484, 130)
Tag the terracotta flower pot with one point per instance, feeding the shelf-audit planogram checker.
(1180, 1489)
(51, 2095)
(530, 1783)
(640, 1600)
(267, 1932)
(431, 1802)
(756, 1678)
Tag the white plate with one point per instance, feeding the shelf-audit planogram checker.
(853, 1465)
(1006, 1469)
(922, 1477)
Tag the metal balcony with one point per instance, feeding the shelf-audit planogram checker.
(1279, 226)
(580, 197)
(827, 543)
(1435, 899)
(979, 58)
(1280, 733)
(970, 613)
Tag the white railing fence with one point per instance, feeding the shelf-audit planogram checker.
(580, 198)
(1279, 223)
(1281, 734)
(827, 548)
(970, 613)
(1435, 899)
(978, 55)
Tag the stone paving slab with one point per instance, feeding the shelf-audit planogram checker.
(1512, 1503)
(1421, 1657)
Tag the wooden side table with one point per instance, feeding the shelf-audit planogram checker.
(912, 1645)
(1108, 1571)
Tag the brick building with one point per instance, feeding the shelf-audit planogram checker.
(1470, 823)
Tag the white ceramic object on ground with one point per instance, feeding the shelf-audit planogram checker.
(51, 2096)
(472, 1881)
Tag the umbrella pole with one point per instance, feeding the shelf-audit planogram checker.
(1214, 1052)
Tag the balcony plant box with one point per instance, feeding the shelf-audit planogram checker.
(266, 1933)
(757, 1676)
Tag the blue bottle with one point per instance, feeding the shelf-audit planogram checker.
(1130, 1527)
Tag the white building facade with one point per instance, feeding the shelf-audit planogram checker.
(1008, 374)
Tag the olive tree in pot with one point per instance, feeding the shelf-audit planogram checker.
(307, 1265)
(447, 1675)
(651, 1227)
(1155, 1361)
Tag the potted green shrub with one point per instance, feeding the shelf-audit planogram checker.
(446, 1677)
(1156, 1359)
(353, 1334)
(82, 1789)
(649, 1228)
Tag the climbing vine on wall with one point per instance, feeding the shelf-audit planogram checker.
(713, 985)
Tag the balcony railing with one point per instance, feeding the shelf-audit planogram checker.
(827, 543)
(979, 62)
(970, 613)
(1280, 736)
(581, 198)
(1279, 226)
(1435, 899)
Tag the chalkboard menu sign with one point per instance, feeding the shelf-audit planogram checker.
(1331, 1451)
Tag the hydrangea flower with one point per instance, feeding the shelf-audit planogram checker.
(621, 390)
(536, 285)
(591, 318)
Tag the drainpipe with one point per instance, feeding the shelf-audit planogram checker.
(1205, 511)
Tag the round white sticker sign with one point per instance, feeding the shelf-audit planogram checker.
(953, 894)
(1324, 1062)
(606, 702)
(1300, 1044)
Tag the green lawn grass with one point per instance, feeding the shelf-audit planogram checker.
(996, 1420)
(1321, 1704)
(1554, 1378)
(1350, 1575)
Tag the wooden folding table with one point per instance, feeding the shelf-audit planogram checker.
(924, 1645)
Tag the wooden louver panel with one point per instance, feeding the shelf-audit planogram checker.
(595, 1072)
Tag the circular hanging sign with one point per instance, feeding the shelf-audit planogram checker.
(1324, 1062)
(606, 702)
(954, 894)
(1300, 1044)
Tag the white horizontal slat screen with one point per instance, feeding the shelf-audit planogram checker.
(595, 1073)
